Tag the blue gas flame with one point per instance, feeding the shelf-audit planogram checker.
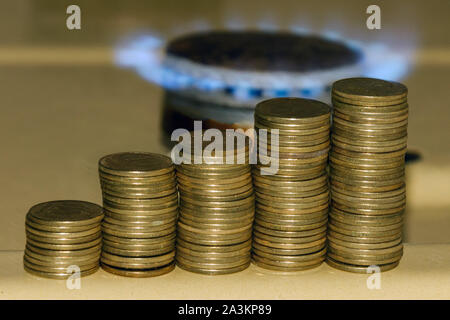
(145, 54)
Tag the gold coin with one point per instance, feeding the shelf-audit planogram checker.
(214, 253)
(368, 172)
(138, 218)
(288, 233)
(217, 219)
(64, 253)
(58, 275)
(63, 235)
(214, 241)
(63, 240)
(292, 219)
(363, 262)
(68, 259)
(219, 194)
(294, 132)
(391, 132)
(356, 219)
(231, 210)
(140, 193)
(136, 197)
(64, 247)
(33, 223)
(363, 117)
(137, 263)
(287, 265)
(367, 149)
(135, 181)
(162, 209)
(213, 271)
(363, 211)
(291, 225)
(213, 261)
(215, 226)
(136, 164)
(140, 241)
(357, 245)
(214, 230)
(292, 205)
(385, 252)
(367, 228)
(382, 108)
(220, 204)
(133, 253)
(125, 203)
(210, 265)
(66, 213)
(364, 188)
(57, 269)
(278, 245)
(264, 193)
(286, 252)
(61, 263)
(143, 273)
(214, 248)
(369, 89)
(363, 239)
(358, 269)
(139, 234)
(292, 210)
(270, 238)
(369, 142)
(369, 124)
(364, 233)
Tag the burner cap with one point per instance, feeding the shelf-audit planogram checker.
(263, 51)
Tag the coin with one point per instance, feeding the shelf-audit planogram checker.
(213, 271)
(66, 213)
(369, 89)
(58, 275)
(364, 238)
(143, 273)
(359, 269)
(63, 240)
(136, 164)
(357, 245)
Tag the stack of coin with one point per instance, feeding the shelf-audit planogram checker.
(291, 204)
(367, 170)
(140, 202)
(216, 209)
(63, 237)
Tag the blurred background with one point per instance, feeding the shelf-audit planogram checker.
(68, 97)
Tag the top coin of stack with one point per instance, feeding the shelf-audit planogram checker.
(216, 208)
(291, 205)
(61, 234)
(367, 166)
(140, 201)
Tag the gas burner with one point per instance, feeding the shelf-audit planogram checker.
(222, 75)
(240, 68)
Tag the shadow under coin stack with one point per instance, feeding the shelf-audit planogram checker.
(292, 205)
(367, 166)
(216, 212)
(62, 234)
(140, 202)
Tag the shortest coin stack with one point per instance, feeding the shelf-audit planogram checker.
(63, 237)
(140, 202)
(367, 170)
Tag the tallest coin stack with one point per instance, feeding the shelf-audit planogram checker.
(367, 167)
